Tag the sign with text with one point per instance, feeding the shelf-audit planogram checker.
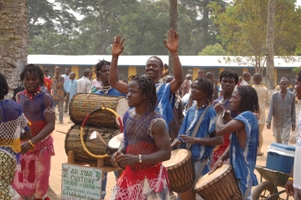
(81, 182)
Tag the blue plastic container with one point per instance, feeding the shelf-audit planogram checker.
(280, 157)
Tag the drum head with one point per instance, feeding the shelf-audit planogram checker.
(207, 178)
(121, 108)
(115, 142)
(177, 156)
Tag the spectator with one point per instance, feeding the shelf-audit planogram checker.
(84, 84)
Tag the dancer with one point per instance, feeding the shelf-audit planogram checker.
(12, 122)
(33, 179)
(228, 79)
(153, 70)
(205, 139)
(146, 146)
(244, 138)
(293, 185)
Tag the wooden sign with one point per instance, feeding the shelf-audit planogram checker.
(81, 182)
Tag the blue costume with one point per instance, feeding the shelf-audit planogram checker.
(207, 127)
(244, 161)
(165, 102)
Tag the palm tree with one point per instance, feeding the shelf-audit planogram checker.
(13, 40)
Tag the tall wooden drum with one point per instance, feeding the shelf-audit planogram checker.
(83, 104)
(180, 170)
(73, 143)
(220, 185)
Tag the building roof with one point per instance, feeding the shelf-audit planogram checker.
(140, 60)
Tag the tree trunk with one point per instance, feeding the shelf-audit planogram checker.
(270, 45)
(13, 40)
(173, 19)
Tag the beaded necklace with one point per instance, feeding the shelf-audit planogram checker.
(30, 95)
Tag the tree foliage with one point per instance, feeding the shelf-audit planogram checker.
(213, 50)
(243, 28)
(144, 23)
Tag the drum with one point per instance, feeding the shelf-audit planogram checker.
(220, 185)
(180, 170)
(115, 142)
(95, 145)
(82, 104)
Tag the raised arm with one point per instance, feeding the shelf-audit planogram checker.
(172, 46)
(117, 48)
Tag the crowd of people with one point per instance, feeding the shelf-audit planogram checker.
(228, 121)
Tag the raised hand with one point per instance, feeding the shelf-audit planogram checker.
(117, 46)
(173, 42)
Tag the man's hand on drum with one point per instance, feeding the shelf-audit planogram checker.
(187, 139)
(289, 188)
(217, 164)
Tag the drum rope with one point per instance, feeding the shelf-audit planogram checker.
(82, 131)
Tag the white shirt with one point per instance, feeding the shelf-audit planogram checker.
(84, 85)
(297, 161)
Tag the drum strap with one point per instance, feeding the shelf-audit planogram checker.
(199, 173)
(196, 128)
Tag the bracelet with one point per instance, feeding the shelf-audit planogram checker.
(115, 58)
(30, 142)
(140, 158)
(290, 178)
(175, 57)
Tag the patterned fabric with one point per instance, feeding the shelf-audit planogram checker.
(165, 102)
(141, 181)
(12, 121)
(47, 84)
(244, 161)
(7, 172)
(58, 88)
(217, 153)
(35, 165)
(207, 127)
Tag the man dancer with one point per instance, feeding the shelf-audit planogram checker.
(102, 70)
(228, 80)
(153, 70)
(244, 138)
(263, 95)
(282, 109)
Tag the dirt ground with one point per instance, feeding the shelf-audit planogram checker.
(60, 157)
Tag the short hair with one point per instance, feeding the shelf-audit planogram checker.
(228, 73)
(3, 86)
(284, 78)
(205, 85)
(160, 61)
(249, 99)
(86, 72)
(148, 87)
(209, 75)
(100, 65)
(46, 70)
(32, 69)
(72, 73)
(57, 67)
